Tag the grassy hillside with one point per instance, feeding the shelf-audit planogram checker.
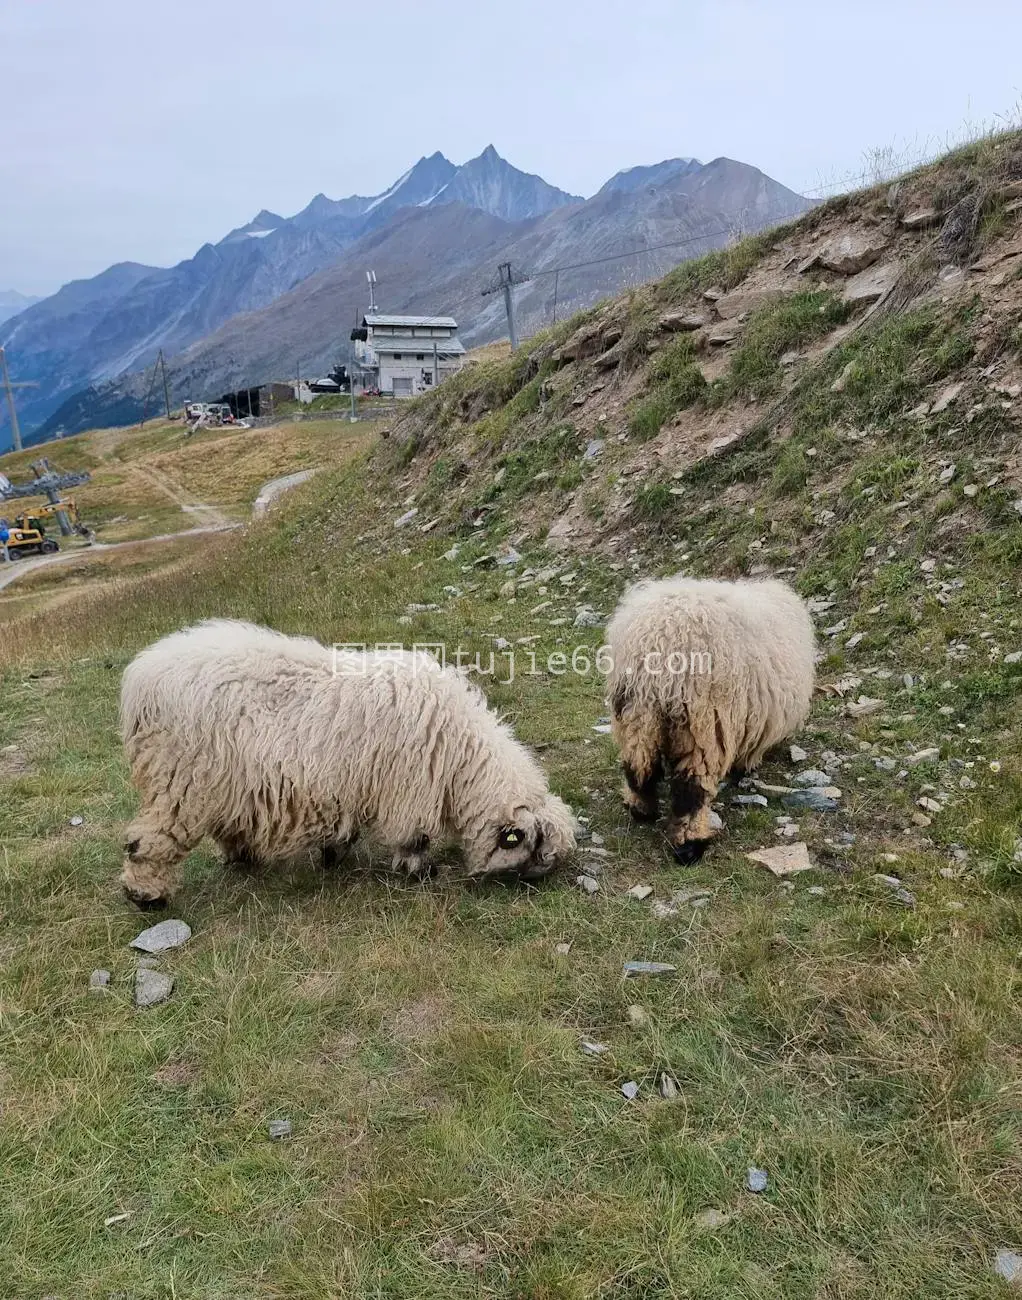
(853, 1031)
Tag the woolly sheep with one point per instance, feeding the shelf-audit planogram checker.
(252, 737)
(704, 677)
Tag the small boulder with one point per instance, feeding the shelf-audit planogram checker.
(675, 322)
(99, 979)
(920, 219)
(151, 987)
(161, 937)
(853, 251)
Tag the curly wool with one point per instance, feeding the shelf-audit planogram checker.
(741, 679)
(242, 733)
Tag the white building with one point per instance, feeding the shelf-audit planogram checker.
(405, 355)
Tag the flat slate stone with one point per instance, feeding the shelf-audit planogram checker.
(648, 968)
(161, 937)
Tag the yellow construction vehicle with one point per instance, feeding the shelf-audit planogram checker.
(29, 541)
(52, 510)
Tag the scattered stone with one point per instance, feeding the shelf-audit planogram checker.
(668, 1087)
(588, 884)
(798, 755)
(485, 562)
(863, 706)
(675, 322)
(508, 557)
(710, 1220)
(871, 285)
(161, 937)
(1013, 658)
(77, 821)
(641, 892)
(853, 252)
(1008, 1265)
(562, 949)
(930, 805)
(892, 882)
(603, 728)
(756, 1179)
(921, 820)
(407, 517)
(811, 776)
(723, 332)
(278, 1128)
(452, 554)
(631, 968)
(855, 640)
(749, 800)
(817, 891)
(839, 384)
(947, 397)
(929, 755)
(905, 896)
(813, 799)
(151, 987)
(630, 1089)
(586, 616)
(636, 1016)
(593, 449)
(594, 1049)
(920, 218)
(99, 979)
(885, 764)
(116, 1218)
(783, 859)
(947, 474)
(716, 821)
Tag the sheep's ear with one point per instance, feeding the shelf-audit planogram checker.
(510, 837)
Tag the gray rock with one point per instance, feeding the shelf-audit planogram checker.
(594, 1049)
(630, 1089)
(593, 449)
(508, 557)
(586, 616)
(681, 322)
(158, 938)
(756, 1179)
(640, 892)
(920, 218)
(798, 755)
(668, 1087)
(810, 799)
(588, 884)
(152, 987)
(749, 800)
(853, 251)
(77, 821)
(278, 1128)
(648, 968)
(930, 755)
(811, 776)
(906, 897)
(1008, 1264)
(99, 979)
(406, 518)
(892, 882)
(562, 949)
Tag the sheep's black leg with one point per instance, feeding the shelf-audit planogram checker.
(336, 851)
(641, 789)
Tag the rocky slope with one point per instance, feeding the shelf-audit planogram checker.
(436, 256)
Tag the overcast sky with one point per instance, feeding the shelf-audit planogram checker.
(135, 131)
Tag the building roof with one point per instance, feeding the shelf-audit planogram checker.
(412, 322)
(404, 344)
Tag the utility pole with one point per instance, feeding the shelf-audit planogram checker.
(436, 366)
(159, 366)
(504, 282)
(9, 388)
(166, 386)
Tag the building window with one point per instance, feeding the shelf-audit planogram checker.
(420, 356)
(397, 356)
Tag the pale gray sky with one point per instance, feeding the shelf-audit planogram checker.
(135, 131)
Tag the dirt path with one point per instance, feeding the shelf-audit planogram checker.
(269, 492)
(215, 522)
(19, 568)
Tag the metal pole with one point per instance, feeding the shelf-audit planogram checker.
(15, 428)
(509, 307)
(436, 366)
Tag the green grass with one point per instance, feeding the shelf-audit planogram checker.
(450, 1139)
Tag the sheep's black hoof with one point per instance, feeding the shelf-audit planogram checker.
(145, 904)
(644, 816)
(335, 853)
(690, 852)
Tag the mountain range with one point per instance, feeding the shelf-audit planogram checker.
(280, 292)
(12, 302)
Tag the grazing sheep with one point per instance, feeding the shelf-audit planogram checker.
(705, 676)
(272, 744)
